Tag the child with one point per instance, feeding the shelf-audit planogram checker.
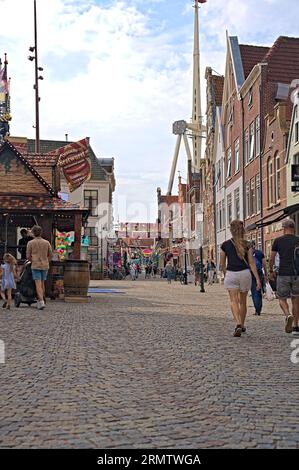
(8, 270)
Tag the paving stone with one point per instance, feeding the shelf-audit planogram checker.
(156, 367)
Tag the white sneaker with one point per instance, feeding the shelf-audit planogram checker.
(40, 305)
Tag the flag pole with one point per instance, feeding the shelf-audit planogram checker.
(37, 99)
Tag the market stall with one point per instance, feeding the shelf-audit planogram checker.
(27, 198)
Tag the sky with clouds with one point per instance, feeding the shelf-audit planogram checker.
(120, 72)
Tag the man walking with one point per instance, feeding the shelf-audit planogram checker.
(39, 252)
(260, 262)
(287, 279)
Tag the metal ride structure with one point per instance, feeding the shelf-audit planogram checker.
(194, 130)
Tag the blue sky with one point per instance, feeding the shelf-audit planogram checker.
(120, 72)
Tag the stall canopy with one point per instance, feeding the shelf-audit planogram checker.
(275, 217)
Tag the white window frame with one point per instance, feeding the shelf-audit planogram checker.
(237, 155)
(251, 142)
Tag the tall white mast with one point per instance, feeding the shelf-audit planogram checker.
(182, 128)
(196, 106)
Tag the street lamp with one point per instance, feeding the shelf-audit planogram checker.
(202, 281)
(37, 78)
(185, 273)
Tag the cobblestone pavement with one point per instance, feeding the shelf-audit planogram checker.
(154, 366)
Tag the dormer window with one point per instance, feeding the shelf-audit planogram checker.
(250, 96)
(230, 115)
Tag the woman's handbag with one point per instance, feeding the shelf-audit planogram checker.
(269, 292)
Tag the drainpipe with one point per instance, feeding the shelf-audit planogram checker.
(243, 162)
(214, 210)
(261, 167)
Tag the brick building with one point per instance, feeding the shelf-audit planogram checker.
(214, 93)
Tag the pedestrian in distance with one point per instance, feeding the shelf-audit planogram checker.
(133, 272)
(236, 261)
(146, 271)
(39, 252)
(260, 262)
(287, 280)
(169, 272)
(8, 271)
(211, 266)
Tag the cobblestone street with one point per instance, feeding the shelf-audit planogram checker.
(152, 366)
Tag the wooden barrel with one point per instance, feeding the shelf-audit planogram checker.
(76, 278)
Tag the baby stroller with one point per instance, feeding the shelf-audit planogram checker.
(26, 292)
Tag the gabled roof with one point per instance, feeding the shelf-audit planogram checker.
(283, 60)
(28, 165)
(251, 55)
(236, 61)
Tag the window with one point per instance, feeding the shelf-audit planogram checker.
(258, 193)
(223, 214)
(257, 136)
(93, 249)
(247, 199)
(229, 209)
(229, 163)
(246, 147)
(222, 173)
(91, 201)
(297, 132)
(237, 156)
(92, 235)
(252, 197)
(230, 114)
(250, 96)
(259, 241)
(277, 178)
(218, 176)
(251, 142)
(270, 182)
(237, 203)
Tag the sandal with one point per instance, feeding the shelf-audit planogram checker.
(238, 331)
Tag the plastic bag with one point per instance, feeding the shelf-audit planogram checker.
(269, 292)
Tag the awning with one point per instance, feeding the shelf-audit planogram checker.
(277, 216)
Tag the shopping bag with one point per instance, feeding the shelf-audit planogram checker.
(269, 292)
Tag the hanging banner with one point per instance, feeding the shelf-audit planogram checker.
(75, 163)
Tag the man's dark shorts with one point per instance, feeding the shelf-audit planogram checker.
(287, 286)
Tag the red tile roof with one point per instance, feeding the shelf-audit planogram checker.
(42, 160)
(283, 60)
(27, 163)
(251, 55)
(168, 199)
(218, 84)
(31, 203)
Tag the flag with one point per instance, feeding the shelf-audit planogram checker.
(4, 84)
(75, 163)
